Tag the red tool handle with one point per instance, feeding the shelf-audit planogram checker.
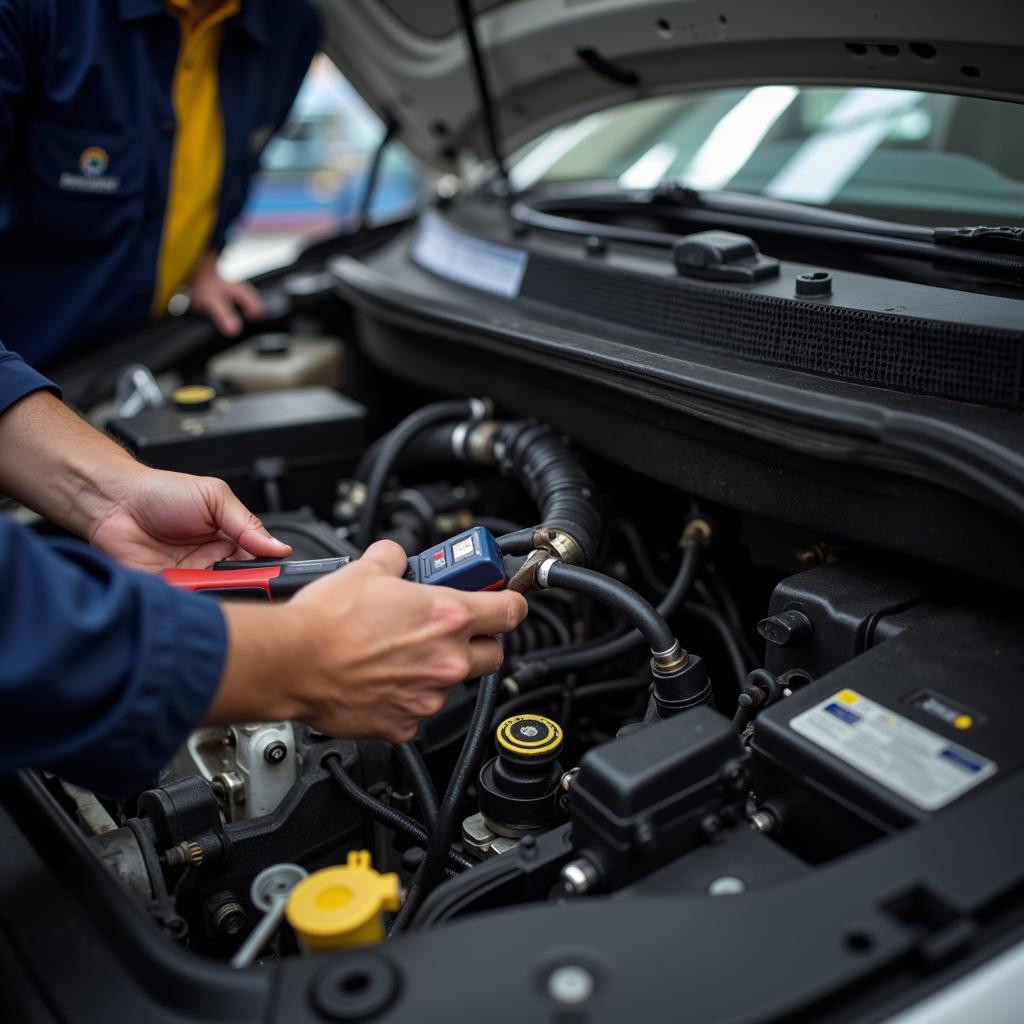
(253, 582)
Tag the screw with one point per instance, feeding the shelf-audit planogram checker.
(229, 918)
(764, 821)
(184, 853)
(568, 778)
(570, 984)
(275, 753)
(727, 885)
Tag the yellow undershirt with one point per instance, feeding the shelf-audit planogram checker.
(197, 161)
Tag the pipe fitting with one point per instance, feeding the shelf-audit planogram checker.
(544, 570)
(561, 544)
(697, 531)
(666, 661)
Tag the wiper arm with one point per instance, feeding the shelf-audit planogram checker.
(565, 210)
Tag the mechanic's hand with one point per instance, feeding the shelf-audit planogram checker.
(222, 300)
(363, 652)
(157, 520)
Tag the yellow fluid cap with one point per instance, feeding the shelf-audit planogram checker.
(194, 397)
(340, 907)
(529, 736)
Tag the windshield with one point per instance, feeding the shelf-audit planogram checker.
(899, 154)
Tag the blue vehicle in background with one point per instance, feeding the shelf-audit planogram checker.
(314, 171)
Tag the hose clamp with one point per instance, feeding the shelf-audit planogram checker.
(561, 544)
(544, 570)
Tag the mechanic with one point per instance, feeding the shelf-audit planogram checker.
(104, 672)
(129, 132)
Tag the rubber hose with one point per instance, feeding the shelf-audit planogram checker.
(553, 476)
(392, 447)
(623, 599)
(387, 816)
(578, 659)
(416, 774)
(430, 871)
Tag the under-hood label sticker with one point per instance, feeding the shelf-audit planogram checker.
(449, 253)
(921, 766)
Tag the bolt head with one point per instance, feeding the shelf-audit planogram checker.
(275, 753)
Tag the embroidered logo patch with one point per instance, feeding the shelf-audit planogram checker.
(93, 164)
(94, 161)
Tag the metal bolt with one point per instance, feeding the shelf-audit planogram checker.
(727, 885)
(579, 877)
(275, 753)
(568, 778)
(570, 984)
(184, 853)
(229, 918)
(764, 821)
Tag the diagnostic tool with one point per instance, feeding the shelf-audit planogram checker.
(469, 561)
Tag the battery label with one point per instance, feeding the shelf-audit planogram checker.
(919, 765)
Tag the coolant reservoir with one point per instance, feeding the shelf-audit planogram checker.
(270, 362)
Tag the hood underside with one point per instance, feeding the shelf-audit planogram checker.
(549, 61)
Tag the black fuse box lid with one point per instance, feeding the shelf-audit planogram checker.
(957, 676)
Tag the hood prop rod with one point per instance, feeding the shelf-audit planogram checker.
(373, 173)
(484, 91)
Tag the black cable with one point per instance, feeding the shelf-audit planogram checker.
(552, 621)
(648, 573)
(387, 816)
(394, 443)
(497, 525)
(623, 599)
(717, 622)
(431, 870)
(416, 774)
(727, 603)
(553, 691)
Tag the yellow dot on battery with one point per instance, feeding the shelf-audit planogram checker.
(963, 722)
(848, 697)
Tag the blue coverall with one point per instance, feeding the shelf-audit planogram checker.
(103, 672)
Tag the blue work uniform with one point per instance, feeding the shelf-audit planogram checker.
(103, 672)
(87, 135)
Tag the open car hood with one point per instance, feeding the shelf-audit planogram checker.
(549, 61)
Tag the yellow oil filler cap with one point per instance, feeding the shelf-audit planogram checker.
(341, 907)
(193, 397)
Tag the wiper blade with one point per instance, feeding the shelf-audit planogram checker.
(566, 211)
(993, 239)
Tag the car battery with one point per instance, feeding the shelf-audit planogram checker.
(895, 735)
(301, 441)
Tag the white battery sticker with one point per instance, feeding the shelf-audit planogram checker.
(463, 549)
(465, 259)
(918, 764)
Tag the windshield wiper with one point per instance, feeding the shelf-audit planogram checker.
(566, 209)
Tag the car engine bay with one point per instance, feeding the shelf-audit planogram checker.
(765, 706)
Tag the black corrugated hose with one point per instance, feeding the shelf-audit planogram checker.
(432, 868)
(552, 474)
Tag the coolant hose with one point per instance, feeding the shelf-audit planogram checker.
(611, 592)
(579, 658)
(395, 443)
(448, 818)
(553, 476)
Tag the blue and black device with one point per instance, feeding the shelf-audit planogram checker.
(469, 561)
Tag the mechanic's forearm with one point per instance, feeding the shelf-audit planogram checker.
(57, 464)
(264, 656)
